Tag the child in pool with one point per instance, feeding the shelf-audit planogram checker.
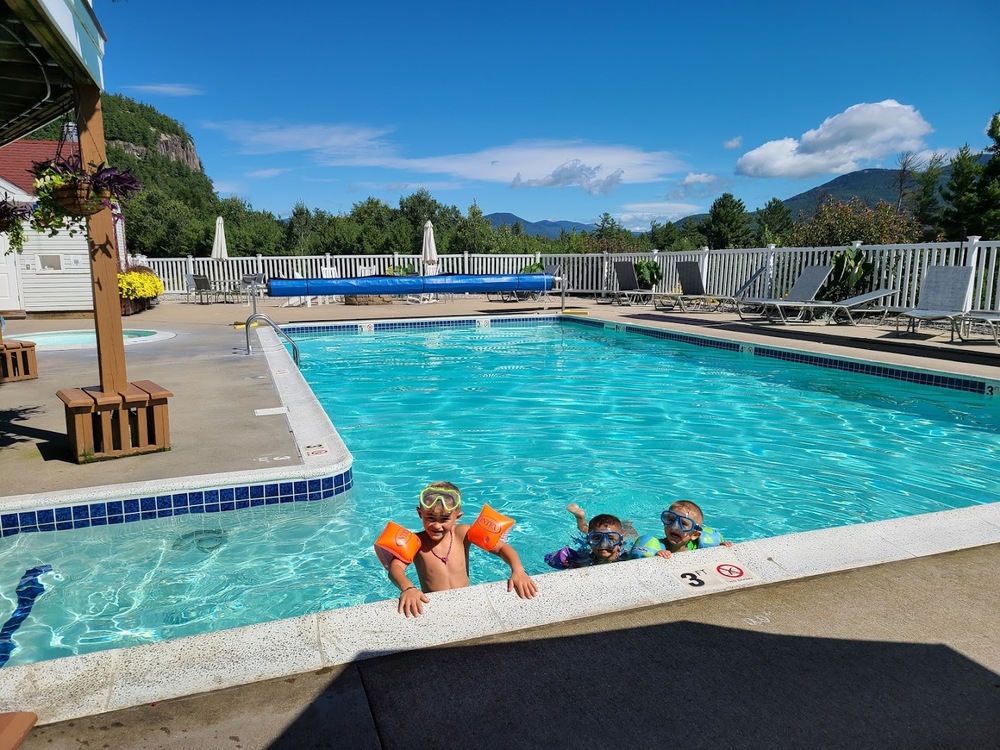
(604, 543)
(683, 529)
(442, 562)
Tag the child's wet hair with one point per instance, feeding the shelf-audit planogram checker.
(688, 508)
(604, 519)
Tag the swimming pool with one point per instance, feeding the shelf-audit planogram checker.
(521, 475)
(85, 338)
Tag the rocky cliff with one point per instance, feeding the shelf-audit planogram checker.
(171, 146)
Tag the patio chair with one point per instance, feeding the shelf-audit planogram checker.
(251, 284)
(987, 317)
(203, 289)
(628, 292)
(945, 293)
(804, 290)
(848, 308)
(328, 272)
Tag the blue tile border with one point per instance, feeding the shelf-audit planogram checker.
(936, 380)
(224, 500)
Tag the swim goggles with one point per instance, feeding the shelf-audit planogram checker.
(684, 523)
(605, 539)
(450, 500)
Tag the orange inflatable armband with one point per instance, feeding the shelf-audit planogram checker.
(490, 529)
(396, 542)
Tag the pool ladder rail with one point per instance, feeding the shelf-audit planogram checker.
(261, 316)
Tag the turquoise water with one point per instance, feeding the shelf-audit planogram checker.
(74, 339)
(528, 420)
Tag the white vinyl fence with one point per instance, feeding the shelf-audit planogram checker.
(897, 267)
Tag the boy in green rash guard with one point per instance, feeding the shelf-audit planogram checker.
(683, 530)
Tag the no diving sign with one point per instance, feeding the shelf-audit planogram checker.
(714, 576)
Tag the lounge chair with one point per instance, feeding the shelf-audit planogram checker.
(857, 305)
(628, 292)
(693, 290)
(987, 317)
(944, 295)
(803, 291)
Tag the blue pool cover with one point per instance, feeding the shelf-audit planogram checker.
(450, 284)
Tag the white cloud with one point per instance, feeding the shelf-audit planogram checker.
(266, 173)
(167, 89)
(592, 167)
(733, 142)
(842, 143)
(328, 142)
(698, 179)
(637, 216)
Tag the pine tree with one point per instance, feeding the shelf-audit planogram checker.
(728, 224)
(962, 215)
(774, 223)
(989, 185)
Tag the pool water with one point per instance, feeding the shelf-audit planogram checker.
(83, 338)
(526, 419)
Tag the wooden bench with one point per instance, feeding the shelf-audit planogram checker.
(14, 727)
(17, 361)
(111, 425)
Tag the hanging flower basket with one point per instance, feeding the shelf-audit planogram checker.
(68, 191)
(79, 198)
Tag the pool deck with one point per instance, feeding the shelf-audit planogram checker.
(866, 656)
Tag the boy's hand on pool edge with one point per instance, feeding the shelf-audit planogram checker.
(411, 602)
(522, 584)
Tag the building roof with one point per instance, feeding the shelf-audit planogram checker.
(16, 161)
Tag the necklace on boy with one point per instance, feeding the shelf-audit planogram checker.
(451, 542)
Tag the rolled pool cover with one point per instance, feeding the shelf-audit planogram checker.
(450, 284)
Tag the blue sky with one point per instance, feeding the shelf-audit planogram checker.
(555, 110)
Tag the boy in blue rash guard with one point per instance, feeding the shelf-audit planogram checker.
(683, 530)
(604, 543)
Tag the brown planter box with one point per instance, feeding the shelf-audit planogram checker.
(368, 299)
(133, 306)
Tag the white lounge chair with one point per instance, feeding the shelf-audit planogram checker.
(851, 306)
(988, 317)
(945, 294)
(803, 291)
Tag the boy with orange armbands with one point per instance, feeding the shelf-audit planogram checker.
(441, 551)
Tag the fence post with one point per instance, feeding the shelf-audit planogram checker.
(703, 263)
(768, 281)
(260, 264)
(465, 262)
(972, 253)
(190, 265)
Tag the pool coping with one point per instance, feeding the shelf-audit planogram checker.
(102, 681)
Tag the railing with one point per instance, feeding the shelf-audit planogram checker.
(896, 266)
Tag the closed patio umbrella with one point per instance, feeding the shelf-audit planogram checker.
(429, 254)
(219, 249)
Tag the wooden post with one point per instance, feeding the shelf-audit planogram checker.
(117, 418)
(103, 253)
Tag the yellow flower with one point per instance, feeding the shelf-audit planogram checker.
(139, 285)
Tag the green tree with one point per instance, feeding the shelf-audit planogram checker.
(663, 236)
(838, 223)
(989, 184)
(475, 234)
(927, 205)
(962, 212)
(728, 224)
(774, 224)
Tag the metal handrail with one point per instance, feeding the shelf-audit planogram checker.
(262, 316)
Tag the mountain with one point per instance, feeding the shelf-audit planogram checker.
(550, 229)
(870, 185)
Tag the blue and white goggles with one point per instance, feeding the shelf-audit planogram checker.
(605, 539)
(684, 523)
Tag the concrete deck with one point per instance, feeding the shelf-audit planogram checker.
(859, 658)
